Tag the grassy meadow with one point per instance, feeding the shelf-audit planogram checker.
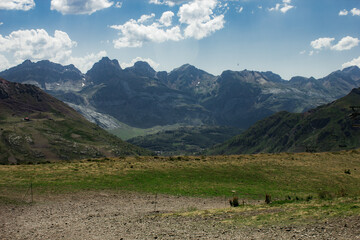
(279, 213)
(250, 176)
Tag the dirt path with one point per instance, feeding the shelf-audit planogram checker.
(93, 215)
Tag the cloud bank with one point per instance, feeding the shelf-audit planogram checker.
(37, 44)
(23, 5)
(346, 43)
(79, 6)
(282, 7)
(196, 20)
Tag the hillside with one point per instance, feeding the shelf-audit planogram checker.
(185, 140)
(36, 127)
(326, 128)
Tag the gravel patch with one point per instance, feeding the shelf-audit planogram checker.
(106, 215)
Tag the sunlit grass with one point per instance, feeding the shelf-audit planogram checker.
(295, 213)
(251, 176)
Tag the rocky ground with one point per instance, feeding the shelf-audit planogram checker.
(109, 215)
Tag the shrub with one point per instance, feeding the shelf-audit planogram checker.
(268, 198)
(347, 171)
(234, 202)
(298, 198)
(325, 195)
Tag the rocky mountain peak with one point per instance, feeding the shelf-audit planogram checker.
(104, 71)
(27, 62)
(142, 68)
(352, 69)
(187, 68)
(272, 76)
(108, 63)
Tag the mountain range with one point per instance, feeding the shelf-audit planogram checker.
(36, 127)
(140, 97)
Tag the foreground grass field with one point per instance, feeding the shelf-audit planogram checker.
(283, 176)
(280, 213)
(304, 187)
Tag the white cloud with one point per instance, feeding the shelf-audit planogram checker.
(134, 33)
(346, 43)
(23, 5)
(199, 17)
(199, 30)
(37, 45)
(322, 43)
(240, 9)
(311, 53)
(4, 63)
(170, 3)
(355, 12)
(1, 23)
(166, 18)
(354, 62)
(343, 12)
(282, 7)
(286, 8)
(145, 18)
(86, 62)
(79, 6)
(118, 4)
(151, 62)
(302, 52)
(276, 8)
(197, 20)
(197, 10)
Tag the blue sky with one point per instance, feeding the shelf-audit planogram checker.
(288, 37)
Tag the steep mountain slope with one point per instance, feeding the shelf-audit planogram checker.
(329, 127)
(104, 71)
(244, 97)
(35, 127)
(135, 98)
(189, 79)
